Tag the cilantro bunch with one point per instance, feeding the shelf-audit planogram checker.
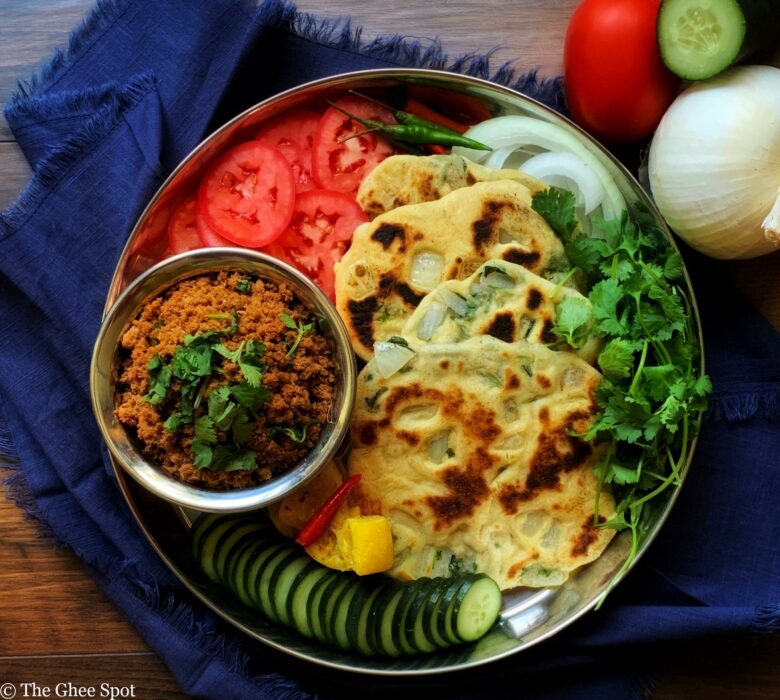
(653, 394)
(230, 409)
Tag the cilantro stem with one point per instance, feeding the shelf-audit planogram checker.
(642, 359)
(673, 476)
(684, 450)
(662, 352)
(633, 524)
(560, 284)
(602, 475)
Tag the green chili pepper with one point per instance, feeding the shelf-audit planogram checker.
(412, 129)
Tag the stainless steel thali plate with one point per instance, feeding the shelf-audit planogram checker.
(528, 616)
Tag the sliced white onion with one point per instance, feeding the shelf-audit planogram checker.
(499, 280)
(569, 172)
(516, 132)
(456, 302)
(437, 448)
(390, 357)
(434, 316)
(426, 270)
(497, 158)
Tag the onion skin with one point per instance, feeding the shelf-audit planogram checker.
(714, 164)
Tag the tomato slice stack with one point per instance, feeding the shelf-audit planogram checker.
(289, 192)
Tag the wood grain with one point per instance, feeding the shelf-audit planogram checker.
(55, 624)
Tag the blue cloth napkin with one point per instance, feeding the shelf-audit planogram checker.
(102, 124)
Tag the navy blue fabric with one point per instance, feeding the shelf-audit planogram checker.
(141, 83)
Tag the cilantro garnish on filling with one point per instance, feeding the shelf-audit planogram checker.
(223, 430)
(653, 395)
(302, 328)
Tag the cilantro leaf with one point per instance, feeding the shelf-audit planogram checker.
(572, 321)
(204, 430)
(617, 358)
(557, 208)
(159, 380)
(242, 428)
(673, 266)
(297, 435)
(302, 328)
(174, 422)
(605, 297)
(241, 460)
(244, 286)
(203, 454)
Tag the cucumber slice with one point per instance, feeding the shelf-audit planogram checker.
(231, 546)
(278, 561)
(446, 609)
(202, 523)
(431, 613)
(332, 601)
(415, 632)
(476, 608)
(386, 618)
(359, 625)
(238, 576)
(342, 612)
(254, 569)
(315, 606)
(400, 639)
(300, 595)
(211, 545)
(281, 584)
(700, 38)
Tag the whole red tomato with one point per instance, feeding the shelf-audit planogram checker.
(617, 87)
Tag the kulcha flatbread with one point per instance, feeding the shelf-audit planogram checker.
(469, 451)
(403, 254)
(401, 180)
(500, 299)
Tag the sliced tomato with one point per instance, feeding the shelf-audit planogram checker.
(209, 237)
(182, 234)
(248, 195)
(293, 135)
(319, 234)
(341, 159)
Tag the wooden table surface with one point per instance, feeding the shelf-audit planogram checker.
(55, 624)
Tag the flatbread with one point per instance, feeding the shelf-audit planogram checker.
(401, 180)
(377, 280)
(469, 451)
(519, 305)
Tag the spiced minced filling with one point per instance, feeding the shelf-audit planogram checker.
(260, 404)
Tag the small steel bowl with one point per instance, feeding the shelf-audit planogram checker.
(124, 449)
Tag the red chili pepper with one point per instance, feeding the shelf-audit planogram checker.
(436, 149)
(316, 526)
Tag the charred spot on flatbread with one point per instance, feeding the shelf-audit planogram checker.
(534, 299)
(586, 537)
(547, 332)
(486, 227)
(557, 452)
(526, 258)
(387, 233)
(467, 489)
(361, 318)
(502, 327)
